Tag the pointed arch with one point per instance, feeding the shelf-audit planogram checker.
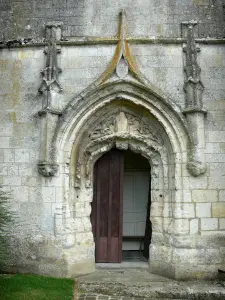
(89, 103)
(123, 115)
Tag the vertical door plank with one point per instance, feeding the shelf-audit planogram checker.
(148, 226)
(107, 207)
(116, 177)
(121, 177)
(110, 209)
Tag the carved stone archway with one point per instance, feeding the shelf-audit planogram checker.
(122, 109)
(131, 119)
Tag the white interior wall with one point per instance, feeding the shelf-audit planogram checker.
(135, 200)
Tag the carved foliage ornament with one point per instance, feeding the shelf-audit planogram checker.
(193, 85)
(51, 71)
(194, 111)
(50, 107)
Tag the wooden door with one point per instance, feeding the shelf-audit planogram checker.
(107, 207)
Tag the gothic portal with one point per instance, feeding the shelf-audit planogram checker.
(115, 142)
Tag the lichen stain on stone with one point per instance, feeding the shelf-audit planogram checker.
(159, 29)
(222, 147)
(131, 59)
(13, 117)
(111, 66)
(15, 90)
(17, 64)
(4, 64)
(24, 53)
(201, 2)
(199, 275)
(219, 60)
(15, 80)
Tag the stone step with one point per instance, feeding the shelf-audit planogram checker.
(155, 291)
(107, 297)
(140, 284)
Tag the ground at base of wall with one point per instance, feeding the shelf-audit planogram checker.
(35, 287)
(105, 297)
(125, 284)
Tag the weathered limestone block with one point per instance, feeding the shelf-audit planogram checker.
(203, 210)
(216, 178)
(218, 210)
(184, 210)
(205, 195)
(209, 223)
(178, 226)
(194, 226)
(222, 224)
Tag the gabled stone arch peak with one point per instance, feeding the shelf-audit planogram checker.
(121, 80)
(75, 117)
(123, 65)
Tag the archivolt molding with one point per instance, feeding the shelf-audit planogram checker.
(124, 120)
(121, 128)
(122, 141)
(75, 118)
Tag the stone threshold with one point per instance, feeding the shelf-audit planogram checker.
(107, 297)
(125, 284)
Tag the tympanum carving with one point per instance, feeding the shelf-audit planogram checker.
(124, 123)
(120, 130)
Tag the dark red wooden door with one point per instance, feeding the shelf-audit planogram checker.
(106, 216)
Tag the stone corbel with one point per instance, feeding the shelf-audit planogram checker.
(47, 169)
(50, 88)
(193, 111)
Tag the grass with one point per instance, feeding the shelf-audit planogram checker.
(31, 287)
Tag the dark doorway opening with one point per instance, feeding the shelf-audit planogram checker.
(121, 207)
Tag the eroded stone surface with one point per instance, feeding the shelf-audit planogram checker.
(142, 284)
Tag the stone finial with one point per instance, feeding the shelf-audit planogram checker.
(193, 111)
(51, 88)
(51, 72)
(193, 85)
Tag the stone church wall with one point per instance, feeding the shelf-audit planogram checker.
(41, 203)
(26, 18)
